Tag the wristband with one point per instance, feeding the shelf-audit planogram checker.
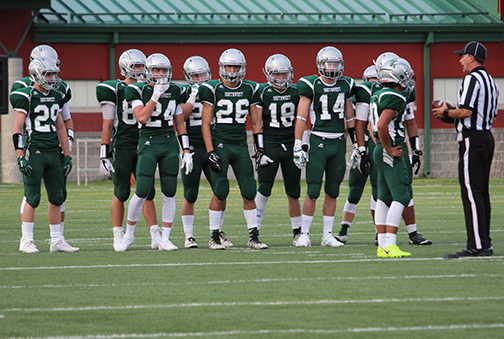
(297, 143)
(191, 100)
(155, 97)
(415, 142)
(17, 139)
(70, 134)
(184, 141)
(258, 140)
(300, 118)
(104, 151)
(362, 149)
(445, 113)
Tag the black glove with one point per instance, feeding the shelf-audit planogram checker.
(214, 159)
(261, 159)
(415, 160)
(364, 163)
(24, 166)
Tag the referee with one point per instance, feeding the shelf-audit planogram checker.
(474, 116)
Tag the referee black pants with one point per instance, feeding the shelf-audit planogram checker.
(475, 159)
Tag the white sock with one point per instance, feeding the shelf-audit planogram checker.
(214, 219)
(222, 218)
(391, 239)
(188, 222)
(169, 208)
(296, 222)
(328, 224)
(306, 221)
(166, 233)
(411, 228)
(62, 225)
(260, 201)
(260, 216)
(251, 218)
(27, 231)
(55, 232)
(117, 230)
(382, 240)
(135, 208)
(130, 229)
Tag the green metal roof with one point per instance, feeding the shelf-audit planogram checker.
(289, 20)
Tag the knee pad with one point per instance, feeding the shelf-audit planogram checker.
(122, 192)
(221, 188)
(313, 191)
(33, 200)
(56, 199)
(332, 190)
(265, 188)
(249, 189)
(191, 194)
(293, 191)
(355, 194)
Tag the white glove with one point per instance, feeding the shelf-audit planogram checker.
(300, 156)
(159, 89)
(194, 94)
(187, 161)
(105, 164)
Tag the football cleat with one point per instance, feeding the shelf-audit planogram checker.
(296, 234)
(167, 245)
(395, 252)
(126, 242)
(343, 233)
(224, 241)
(329, 241)
(381, 253)
(62, 246)
(215, 242)
(190, 243)
(155, 237)
(303, 241)
(417, 239)
(254, 242)
(28, 246)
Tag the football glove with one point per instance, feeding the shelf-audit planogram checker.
(105, 164)
(214, 159)
(24, 166)
(261, 159)
(193, 94)
(300, 156)
(364, 163)
(159, 89)
(67, 165)
(415, 160)
(187, 161)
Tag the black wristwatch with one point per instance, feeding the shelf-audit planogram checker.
(445, 113)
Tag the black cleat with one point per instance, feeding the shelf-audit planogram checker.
(417, 239)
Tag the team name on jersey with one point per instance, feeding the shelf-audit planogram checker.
(282, 98)
(47, 99)
(166, 95)
(233, 94)
(332, 89)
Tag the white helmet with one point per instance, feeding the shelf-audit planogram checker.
(397, 71)
(369, 73)
(382, 58)
(128, 60)
(158, 61)
(38, 69)
(196, 65)
(45, 51)
(232, 57)
(278, 64)
(330, 55)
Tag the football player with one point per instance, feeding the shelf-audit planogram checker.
(229, 101)
(157, 107)
(118, 151)
(277, 107)
(38, 132)
(48, 51)
(330, 93)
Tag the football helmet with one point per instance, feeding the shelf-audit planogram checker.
(45, 51)
(232, 57)
(278, 64)
(39, 68)
(196, 65)
(330, 55)
(397, 71)
(128, 60)
(158, 61)
(382, 58)
(369, 73)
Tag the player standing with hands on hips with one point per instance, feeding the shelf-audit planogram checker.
(474, 116)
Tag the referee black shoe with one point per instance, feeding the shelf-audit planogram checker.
(485, 252)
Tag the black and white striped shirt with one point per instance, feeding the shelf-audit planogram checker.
(478, 93)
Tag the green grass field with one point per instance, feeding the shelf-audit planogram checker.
(239, 293)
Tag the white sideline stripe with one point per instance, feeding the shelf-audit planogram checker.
(287, 331)
(456, 276)
(493, 258)
(248, 304)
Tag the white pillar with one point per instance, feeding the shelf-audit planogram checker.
(10, 171)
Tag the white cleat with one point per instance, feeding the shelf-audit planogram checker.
(303, 241)
(155, 237)
(225, 241)
(28, 246)
(62, 246)
(329, 241)
(167, 245)
(190, 243)
(125, 242)
(118, 238)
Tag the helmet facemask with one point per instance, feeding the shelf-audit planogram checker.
(129, 61)
(196, 66)
(158, 61)
(40, 68)
(232, 57)
(279, 72)
(330, 63)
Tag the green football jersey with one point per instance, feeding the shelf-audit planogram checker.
(279, 112)
(388, 98)
(329, 102)
(26, 82)
(41, 111)
(126, 127)
(230, 108)
(161, 120)
(365, 90)
(193, 123)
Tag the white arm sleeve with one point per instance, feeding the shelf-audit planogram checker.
(362, 111)
(136, 103)
(65, 112)
(108, 112)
